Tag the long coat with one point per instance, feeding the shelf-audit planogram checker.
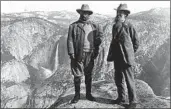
(76, 35)
(124, 44)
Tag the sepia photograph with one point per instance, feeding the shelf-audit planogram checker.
(85, 54)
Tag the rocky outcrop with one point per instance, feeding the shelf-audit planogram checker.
(14, 90)
(105, 92)
(14, 72)
(14, 96)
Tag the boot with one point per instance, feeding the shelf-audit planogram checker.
(88, 92)
(121, 100)
(77, 83)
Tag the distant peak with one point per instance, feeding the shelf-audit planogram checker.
(155, 9)
(158, 9)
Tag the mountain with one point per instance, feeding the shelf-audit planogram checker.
(154, 52)
(34, 58)
(153, 15)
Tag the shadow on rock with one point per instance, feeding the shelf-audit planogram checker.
(109, 101)
(63, 100)
(103, 100)
(66, 100)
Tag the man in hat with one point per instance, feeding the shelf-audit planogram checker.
(124, 44)
(84, 39)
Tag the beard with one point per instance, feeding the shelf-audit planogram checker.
(119, 19)
(84, 18)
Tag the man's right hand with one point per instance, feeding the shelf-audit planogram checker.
(72, 56)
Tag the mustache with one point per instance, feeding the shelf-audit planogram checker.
(84, 17)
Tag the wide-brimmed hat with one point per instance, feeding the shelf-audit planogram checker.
(123, 7)
(85, 7)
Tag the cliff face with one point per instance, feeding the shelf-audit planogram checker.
(29, 49)
(154, 52)
(34, 58)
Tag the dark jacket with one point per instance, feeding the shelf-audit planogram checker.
(124, 44)
(75, 40)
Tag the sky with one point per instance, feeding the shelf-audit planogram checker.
(101, 7)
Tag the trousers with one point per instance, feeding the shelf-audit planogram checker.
(125, 72)
(83, 67)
